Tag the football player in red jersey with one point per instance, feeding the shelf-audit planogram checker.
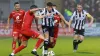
(27, 33)
(17, 16)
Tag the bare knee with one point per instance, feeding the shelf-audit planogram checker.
(81, 37)
(15, 39)
(24, 43)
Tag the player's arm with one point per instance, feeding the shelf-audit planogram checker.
(8, 21)
(36, 21)
(71, 19)
(42, 16)
(62, 23)
(63, 19)
(90, 17)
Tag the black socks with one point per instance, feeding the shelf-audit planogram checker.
(75, 44)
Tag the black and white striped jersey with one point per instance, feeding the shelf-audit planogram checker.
(48, 20)
(79, 19)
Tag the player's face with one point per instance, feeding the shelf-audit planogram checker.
(49, 8)
(34, 10)
(17, 7)
(79, 8)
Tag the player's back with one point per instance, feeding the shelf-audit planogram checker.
(28, 18)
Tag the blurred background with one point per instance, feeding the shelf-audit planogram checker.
(66, 7)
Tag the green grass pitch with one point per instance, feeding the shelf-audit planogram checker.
(90, 47)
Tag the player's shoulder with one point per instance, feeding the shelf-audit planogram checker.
(85, 12)
(22, 10)
(54, 10)
(42, 11)
(13, 11)
(75, 12)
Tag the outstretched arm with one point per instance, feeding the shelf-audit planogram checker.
(63, 19)
(90, 17)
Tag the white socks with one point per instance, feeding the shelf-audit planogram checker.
(12, 53)
(34, 49)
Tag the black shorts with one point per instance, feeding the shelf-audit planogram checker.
(79, 32)
(48, 29)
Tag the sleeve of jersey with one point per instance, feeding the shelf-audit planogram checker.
(10, 16)
(56, 11)
(23, 13)
(42, 12)
(72, 17)
(88, 15)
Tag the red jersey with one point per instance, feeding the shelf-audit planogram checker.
(17, 17)
(57, 17)
(28, 18)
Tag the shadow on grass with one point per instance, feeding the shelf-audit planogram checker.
(85, 52)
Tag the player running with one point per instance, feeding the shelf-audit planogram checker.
(57, 20)
(48, 24)
(79, 16)
(17, 16)
(27, 33)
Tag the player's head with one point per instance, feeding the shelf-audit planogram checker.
(17, 6)
(54, 6)
(79, 7)
(49, 6)
(33, 8)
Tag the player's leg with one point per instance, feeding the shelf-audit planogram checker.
(15, 38)
(46, 36)
(35, 34)
(51, 34)
(21, 47)
(19, 39)
(55, 37)
(75, 41)
(81, 36)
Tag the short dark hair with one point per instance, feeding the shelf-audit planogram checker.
(49, 4)
(33, 6)
(16, 3)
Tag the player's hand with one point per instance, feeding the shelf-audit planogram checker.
(55, 21)
(64, 31)
(7, 27)
(38, 28)
(69, 30)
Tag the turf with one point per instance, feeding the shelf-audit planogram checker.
(90, 47)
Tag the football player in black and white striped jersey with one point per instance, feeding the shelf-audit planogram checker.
(48, 22)
(79, 16)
